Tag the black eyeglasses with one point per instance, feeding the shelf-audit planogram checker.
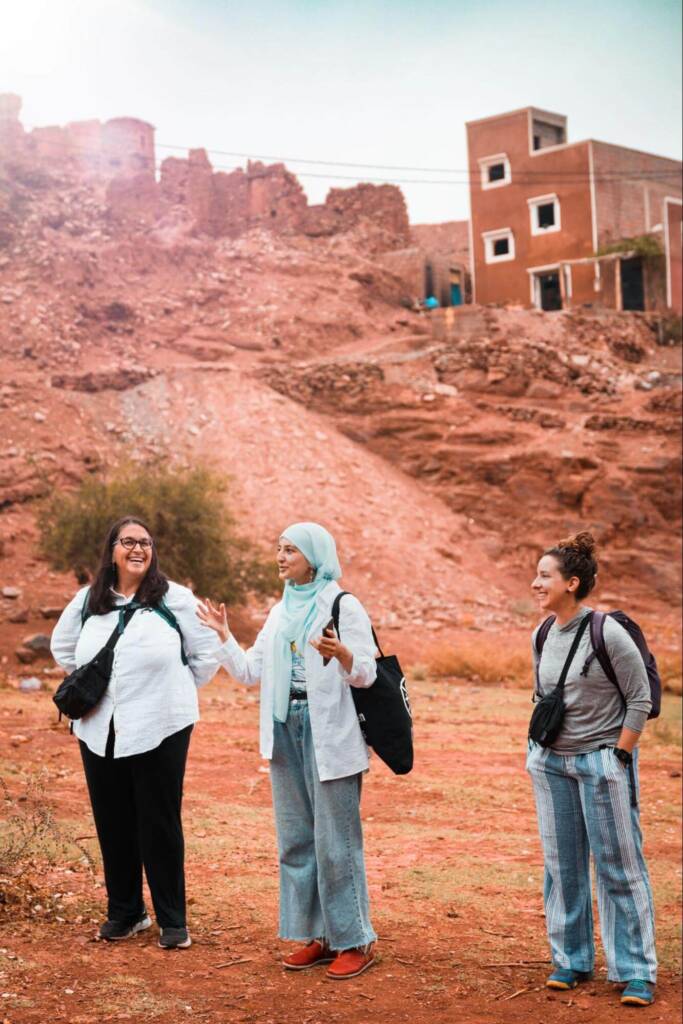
(129, 543)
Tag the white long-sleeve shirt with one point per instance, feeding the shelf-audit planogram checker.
(151, 694)
(340, 749)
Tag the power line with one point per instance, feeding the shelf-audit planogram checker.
(394, 167)
(525, 178)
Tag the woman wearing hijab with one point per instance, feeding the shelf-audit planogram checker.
(310, 734)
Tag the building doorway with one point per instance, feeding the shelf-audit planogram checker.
(429, 281)
(632, 285)
(547, 293)
(456, 295)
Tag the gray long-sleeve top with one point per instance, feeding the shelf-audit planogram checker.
(595, 712)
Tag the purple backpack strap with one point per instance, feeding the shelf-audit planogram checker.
(600, 648)
(541, 637)
(542, 634)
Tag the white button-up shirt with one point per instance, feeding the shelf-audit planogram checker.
(151, 694)
(340, 749)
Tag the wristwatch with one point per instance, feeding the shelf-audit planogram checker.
(623, 756)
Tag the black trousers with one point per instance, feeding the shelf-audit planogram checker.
(136, 803)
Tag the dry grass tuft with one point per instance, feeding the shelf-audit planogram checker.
(30, 840)
(483, 661)
(669, 666)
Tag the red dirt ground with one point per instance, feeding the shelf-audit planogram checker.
(454, 869)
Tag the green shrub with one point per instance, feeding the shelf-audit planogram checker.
(195, 534)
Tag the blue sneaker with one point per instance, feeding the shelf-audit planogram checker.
(638, 993)
(562, 978)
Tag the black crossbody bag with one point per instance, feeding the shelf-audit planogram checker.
(84, 688)
(383, 709)
(548, 715)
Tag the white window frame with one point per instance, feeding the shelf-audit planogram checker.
(488, 161)
(490, 237)
(534, 204)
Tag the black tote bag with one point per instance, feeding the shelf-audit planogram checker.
(383, 709)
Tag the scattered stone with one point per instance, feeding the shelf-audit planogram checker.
(20, 615)
(30, 684)
(26, 656)
(11, 592)
(37, 642)
(50, 611)
(249, 346)
(18, 739)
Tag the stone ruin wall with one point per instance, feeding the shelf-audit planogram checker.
(120, 147)
(121, 152)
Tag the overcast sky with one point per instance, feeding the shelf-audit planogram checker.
(381, 82)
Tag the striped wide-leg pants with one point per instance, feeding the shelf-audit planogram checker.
(584, 807)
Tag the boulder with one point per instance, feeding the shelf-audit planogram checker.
(37, 642)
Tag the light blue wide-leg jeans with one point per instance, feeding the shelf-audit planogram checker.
(585, 806)
(323, 889)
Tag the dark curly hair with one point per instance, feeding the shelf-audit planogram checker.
(575, 556)
(153, 586)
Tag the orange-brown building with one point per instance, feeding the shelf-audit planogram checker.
(556, 224)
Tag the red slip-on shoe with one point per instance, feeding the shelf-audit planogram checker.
(351, 962)
(311, 955)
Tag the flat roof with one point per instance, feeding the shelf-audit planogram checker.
(520, 110)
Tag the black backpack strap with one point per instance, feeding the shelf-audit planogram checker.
(600, 649)
(335, 619)
(165, 612)
(85, 609)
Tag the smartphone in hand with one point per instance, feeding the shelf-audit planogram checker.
(328, 630)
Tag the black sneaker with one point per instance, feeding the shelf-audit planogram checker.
(114, 931)
(174, 938)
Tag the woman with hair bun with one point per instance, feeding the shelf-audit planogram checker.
(586, 784)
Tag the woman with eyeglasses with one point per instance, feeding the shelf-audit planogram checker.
(134, 742)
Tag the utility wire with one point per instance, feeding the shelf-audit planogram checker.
(525, 178)
(392, 167)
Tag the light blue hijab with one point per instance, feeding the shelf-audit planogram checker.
(299, 607)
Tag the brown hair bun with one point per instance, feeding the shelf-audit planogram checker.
(583, 543)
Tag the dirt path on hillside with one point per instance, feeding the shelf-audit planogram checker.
(454, 871)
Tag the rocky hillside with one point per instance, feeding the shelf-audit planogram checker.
(443, 450)
(529, 424)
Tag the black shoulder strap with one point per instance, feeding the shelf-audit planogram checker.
(573, 649)
(335, 618)
(126, 613)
